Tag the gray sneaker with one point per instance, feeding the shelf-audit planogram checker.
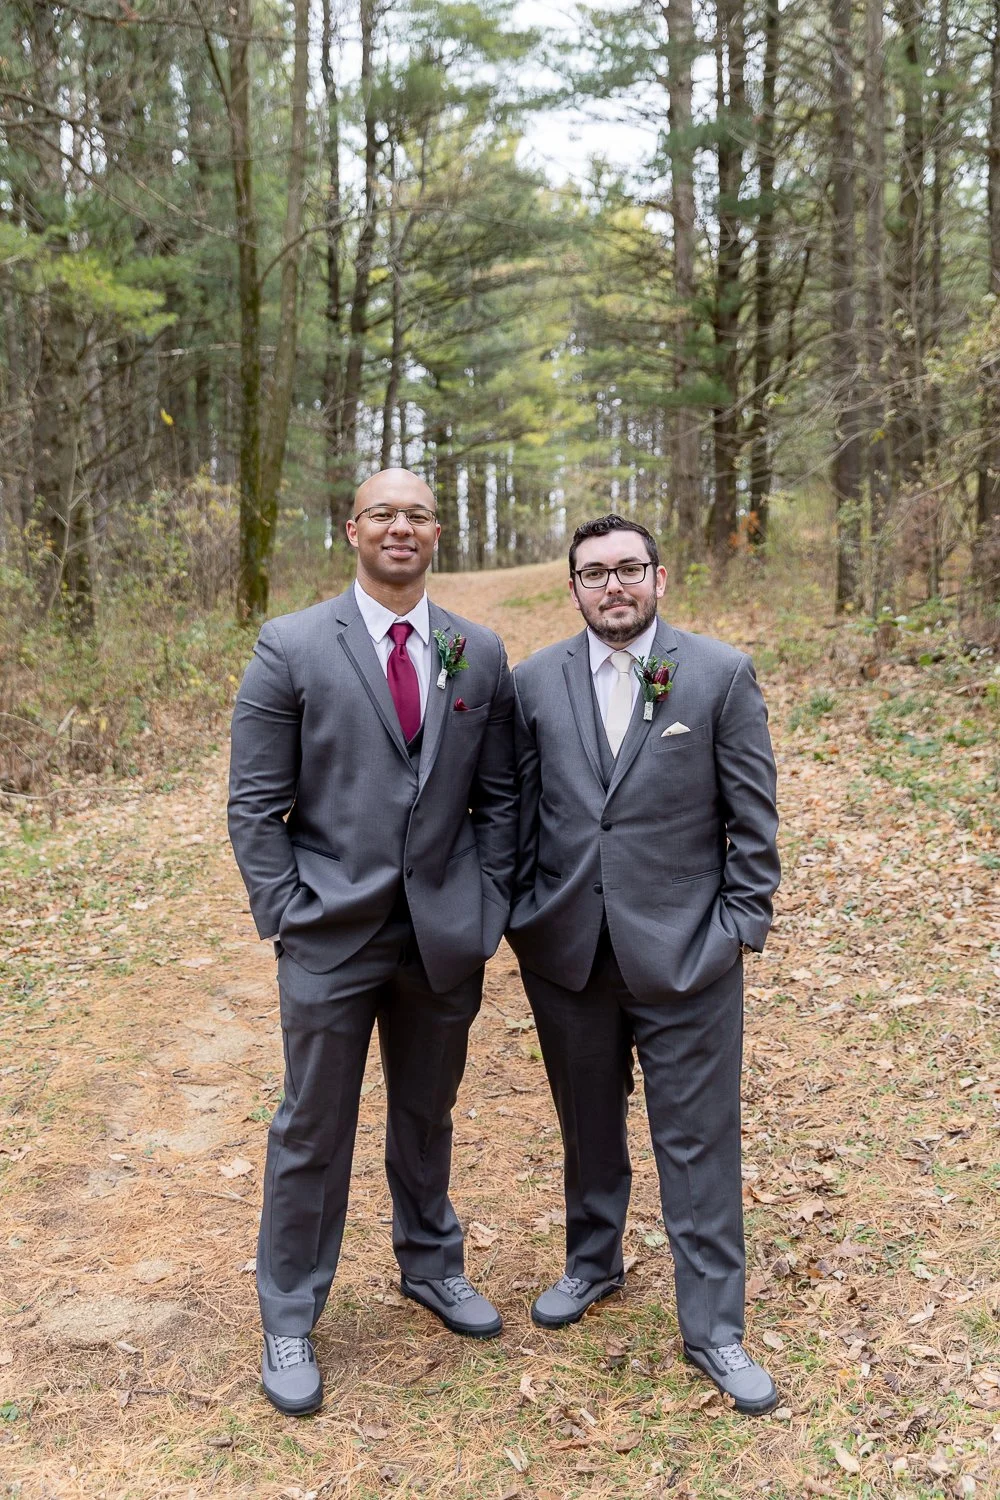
(290, 1375)
(457, 1303)
(737, 1375)
(568, 1300)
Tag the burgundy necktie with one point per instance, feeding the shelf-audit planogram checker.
(403, 684)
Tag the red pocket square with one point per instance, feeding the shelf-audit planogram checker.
(460, 707)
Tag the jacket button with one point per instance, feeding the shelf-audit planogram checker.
(409, 871)
(599, 889)
(606, 827)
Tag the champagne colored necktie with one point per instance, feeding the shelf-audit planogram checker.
(620, 700)
(403, 684)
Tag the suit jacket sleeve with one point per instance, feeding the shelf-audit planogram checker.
(748, 787)
(263, 777)
(529, 785)
(493, 793)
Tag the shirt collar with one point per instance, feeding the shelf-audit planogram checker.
(600, 651)
(378, 619)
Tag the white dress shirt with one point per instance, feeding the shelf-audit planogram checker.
(419, 646)
(603, 670)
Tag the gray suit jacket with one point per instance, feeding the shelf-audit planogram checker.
(676, 846)
(328, 811)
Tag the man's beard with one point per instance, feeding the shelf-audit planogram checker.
(615, 634)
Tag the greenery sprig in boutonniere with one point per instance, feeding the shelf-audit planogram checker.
(451, 650)
(655, 679)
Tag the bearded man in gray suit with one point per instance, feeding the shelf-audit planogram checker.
(647, 864)
(373, 814)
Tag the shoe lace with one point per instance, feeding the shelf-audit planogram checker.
(460, 1288)
(573, 1286)
(289, 1351)
(734, 1357)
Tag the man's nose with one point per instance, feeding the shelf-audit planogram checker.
(401, 522)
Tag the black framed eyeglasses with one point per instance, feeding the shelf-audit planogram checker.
(385, 515)
(626, 573)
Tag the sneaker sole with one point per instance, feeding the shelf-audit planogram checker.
(294, 1408)
(490, 1331)
(748, 1408)
(544, 1322)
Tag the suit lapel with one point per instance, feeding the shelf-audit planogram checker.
(579, 683)
(664, 645)
(360, 651)
(439, 700)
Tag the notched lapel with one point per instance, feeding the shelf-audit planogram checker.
(581, 697)
(357, 644)
(439, 700)
(664, 645)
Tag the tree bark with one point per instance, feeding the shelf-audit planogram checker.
(760, 439)
(986, 544)
(730, 57)
(909, 270)
(846, 474)
(333, 368)
(283, 377)
(684, 421)
(344, 485)
(876, 449)
(255, 536)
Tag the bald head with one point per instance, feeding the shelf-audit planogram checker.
(393, 487)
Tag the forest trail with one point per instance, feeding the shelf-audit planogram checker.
(142, 1061)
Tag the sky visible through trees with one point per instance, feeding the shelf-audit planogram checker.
(677, 260)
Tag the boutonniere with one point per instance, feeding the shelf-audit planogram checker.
(451, 650)
(655, 679)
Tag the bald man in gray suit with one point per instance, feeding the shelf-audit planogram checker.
(647, 864)
(373, 815)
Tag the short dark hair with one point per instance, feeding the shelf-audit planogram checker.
(601, 527)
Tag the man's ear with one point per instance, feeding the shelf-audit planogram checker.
(572, 594)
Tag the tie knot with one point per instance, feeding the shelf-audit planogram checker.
(621, 661)
(400, 632)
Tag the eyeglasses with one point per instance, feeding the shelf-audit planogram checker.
(626, 573)
(385, 515)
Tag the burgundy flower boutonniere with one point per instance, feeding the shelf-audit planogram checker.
(451, 650)
(656, 679)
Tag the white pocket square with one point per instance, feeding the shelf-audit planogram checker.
(675, 728)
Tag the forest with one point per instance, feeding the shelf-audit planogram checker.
(250, 253)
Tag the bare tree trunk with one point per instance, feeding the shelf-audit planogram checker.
(760, 444)
(283, 378)
(847, 453)
(445, 488)
(255, 535)
(347, 471)
(986, 545)
(396, 351)
(685, 443)
(333, 370)
(476, 505)
(908, 446)
(730, 55)
(57, 428)
(877, 466)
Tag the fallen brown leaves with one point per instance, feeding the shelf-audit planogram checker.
(145, 1064)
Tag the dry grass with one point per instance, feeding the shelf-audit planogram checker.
(142, 1058)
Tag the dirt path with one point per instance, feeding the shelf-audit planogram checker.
(142, 1064)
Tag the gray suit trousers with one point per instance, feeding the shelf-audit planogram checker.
(690, 1051)
(327, 1022)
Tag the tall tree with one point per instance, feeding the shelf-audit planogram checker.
(846, 474)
